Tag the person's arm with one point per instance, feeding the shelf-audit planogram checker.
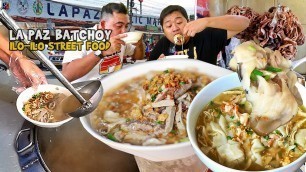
(233, 25)
(23, 69)
(79, 63)
(4, 57)
(79, 67)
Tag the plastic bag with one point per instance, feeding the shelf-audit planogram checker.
(228, 50)
(26, 73)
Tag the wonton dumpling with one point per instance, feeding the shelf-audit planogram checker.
(223, 123)
(251, 56)
(300, 138)
(271, 107)
(277, 60)
(274, 102)
(219, 137)
(231, 153)
(256, 149)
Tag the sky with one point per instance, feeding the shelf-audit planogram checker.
(149, 7)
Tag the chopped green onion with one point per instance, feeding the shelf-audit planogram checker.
(238, 123)
(182, 83)
(252, 48)
(159, 122)
(232, 117)
(128, 119)
(266, 137)
(211, 103)
(254, 74)
(186, 139)
(249, 131)
(160, 90)
(35, 95)
(153, 97)
(273, 69)
(23, 108)
(166, 71)
(278, 132)
(111, 137)
(267, 77)
(229, 138)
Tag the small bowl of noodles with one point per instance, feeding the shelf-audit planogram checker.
(218, 129)
(43, 106)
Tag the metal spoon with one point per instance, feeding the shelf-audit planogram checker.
(93, 87)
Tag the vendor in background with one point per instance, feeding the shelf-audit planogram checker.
(87, 65)
(24, 70)
(204, 38)
(152, 45)
(147, 49)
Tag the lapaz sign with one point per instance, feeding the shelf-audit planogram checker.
(51, 9)
(140, 20)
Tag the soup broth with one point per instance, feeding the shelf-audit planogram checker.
(224, 135)
(151, 110)
(71, 103)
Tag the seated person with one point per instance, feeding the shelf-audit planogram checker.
(203, 38)
(87, 65)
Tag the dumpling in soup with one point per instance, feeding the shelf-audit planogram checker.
(224, 134)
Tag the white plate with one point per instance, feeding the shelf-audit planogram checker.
(153, 153)
(29, 92)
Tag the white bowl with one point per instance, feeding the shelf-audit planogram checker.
(203, 98)
(177, 57)
(132, 37)
(153, 153)
(29, 92)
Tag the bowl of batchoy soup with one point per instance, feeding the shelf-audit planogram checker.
(43, 106)
(144, 107)
(218, 128)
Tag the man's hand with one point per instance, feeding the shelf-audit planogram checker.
(140, 42)
(116, 43)
(139, 52)
(162, 56)
(193, 27)
(26, 73)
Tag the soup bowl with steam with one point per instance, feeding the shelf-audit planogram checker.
(158, 153)
(205, 97)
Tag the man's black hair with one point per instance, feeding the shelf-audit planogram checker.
(170, 9)
(114, 7)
